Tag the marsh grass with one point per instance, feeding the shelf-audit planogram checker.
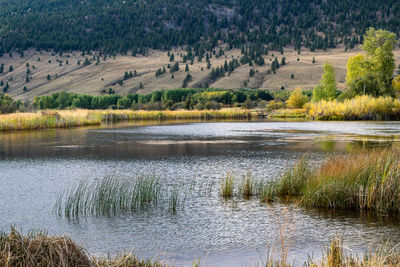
(175, 200)
(246, 187)
(46, 119)
(359, 108)
(129, 115)
(39, 249)
(227, 186)
(109, 196)
(288, 114)
(361, 180)
(249, 186)
(79, 117)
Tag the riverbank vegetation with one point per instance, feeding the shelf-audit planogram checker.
(362, 180)
(72, 118)
(189, 99)
(372, 91)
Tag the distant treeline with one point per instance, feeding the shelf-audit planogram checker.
(136, 26)
(163, 99)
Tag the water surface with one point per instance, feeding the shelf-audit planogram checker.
(36, 166)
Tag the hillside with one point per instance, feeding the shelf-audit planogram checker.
(128, 26)
(98, 78)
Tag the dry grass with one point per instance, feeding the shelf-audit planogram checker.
(359, 108)
(288, 114)
(47, 119)
(92, 79)
(80, 117)
(37, 249)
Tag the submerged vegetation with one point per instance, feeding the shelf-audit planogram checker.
(111, 196)
(363, 180)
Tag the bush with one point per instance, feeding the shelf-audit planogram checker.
(297, 99)
(212, 105)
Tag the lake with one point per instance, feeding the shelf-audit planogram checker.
(37, 165)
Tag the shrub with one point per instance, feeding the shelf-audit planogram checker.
(297, 99)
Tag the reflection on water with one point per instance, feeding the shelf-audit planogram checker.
(36, 166)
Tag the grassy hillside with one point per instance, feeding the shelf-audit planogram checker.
(95, 78)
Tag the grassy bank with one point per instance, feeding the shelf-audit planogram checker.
(47, 119)
(366, 180)
(359, 108)
(74, 118)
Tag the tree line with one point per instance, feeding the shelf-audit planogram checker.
(184, 98)
(135, 26)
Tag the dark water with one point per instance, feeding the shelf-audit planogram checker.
(37, 166)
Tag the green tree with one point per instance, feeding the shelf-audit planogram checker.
(318, 94)
(356, 67)
(328, 82)
(379, 45)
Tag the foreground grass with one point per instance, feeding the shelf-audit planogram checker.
(73, 118)
(40, 249)
(363, 180)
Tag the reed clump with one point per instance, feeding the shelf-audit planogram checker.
(363, 107)
(362, 180)
(109, 196)
(227, 186)
(247, 187)
(37, 249)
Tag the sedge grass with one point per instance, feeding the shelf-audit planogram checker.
(361, 180)
(108, 196)
(227, 186)
(246, 188)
